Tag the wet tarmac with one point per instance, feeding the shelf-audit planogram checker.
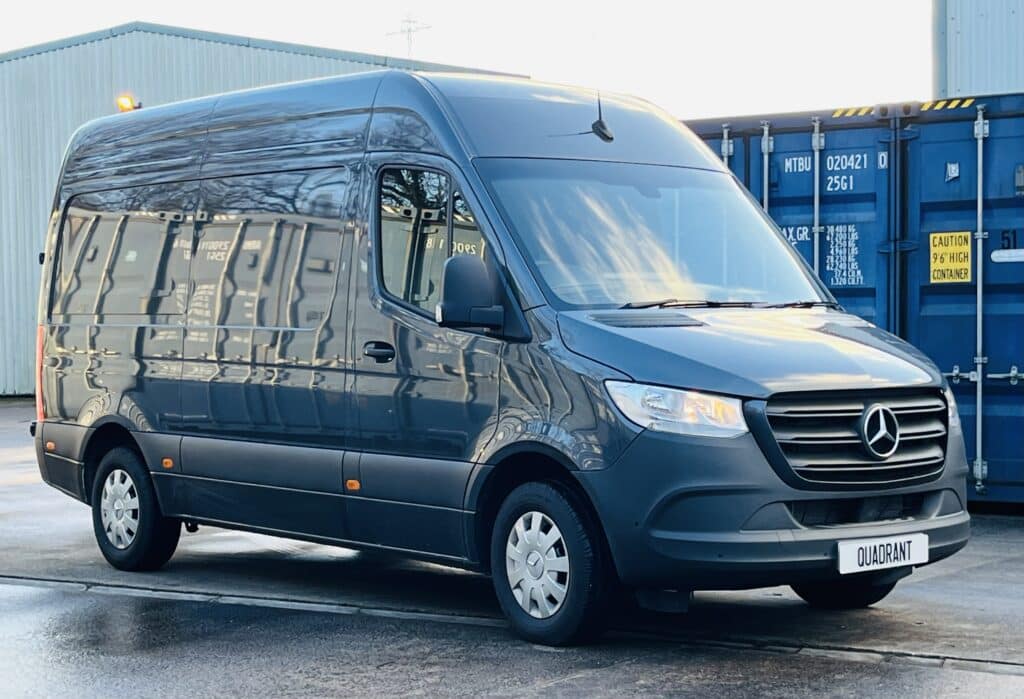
(235, 612)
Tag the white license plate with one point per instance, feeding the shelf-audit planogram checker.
(885, 552)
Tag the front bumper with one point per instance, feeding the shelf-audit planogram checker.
(699, 513)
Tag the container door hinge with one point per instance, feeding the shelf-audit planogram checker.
(887, 247)
(908, 134)
(980, 235)
(818, 141)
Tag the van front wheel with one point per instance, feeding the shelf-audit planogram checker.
(548, 566)
(130, 530)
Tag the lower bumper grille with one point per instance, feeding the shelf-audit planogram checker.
(829, 513)
(824, 438)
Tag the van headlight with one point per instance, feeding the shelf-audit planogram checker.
(682, 412)
(952, 413)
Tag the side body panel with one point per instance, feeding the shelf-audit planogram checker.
(264, 351)
(113, 343)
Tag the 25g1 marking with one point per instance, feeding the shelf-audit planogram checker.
(839, 183)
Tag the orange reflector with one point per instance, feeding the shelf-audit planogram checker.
(50, 446)
(352, 484)
(167, 463)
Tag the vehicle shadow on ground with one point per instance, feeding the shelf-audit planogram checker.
(371, 579)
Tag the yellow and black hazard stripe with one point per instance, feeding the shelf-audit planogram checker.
(936, 105)
(932, 106)
(852, 111)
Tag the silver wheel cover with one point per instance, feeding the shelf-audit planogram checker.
(119, 509)
(537, 563)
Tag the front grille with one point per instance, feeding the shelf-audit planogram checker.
(820, 437)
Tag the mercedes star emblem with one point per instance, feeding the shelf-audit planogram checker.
(880, 431)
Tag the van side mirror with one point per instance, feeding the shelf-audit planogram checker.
(469, 297)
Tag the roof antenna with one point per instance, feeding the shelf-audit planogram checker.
(600, 128)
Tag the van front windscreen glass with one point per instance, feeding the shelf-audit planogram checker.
(602, 234)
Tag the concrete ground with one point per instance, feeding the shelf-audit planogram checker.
(235, 612)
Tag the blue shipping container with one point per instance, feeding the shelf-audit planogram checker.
(913, 215)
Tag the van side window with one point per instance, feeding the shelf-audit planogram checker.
(418, 232)
(413, 234)
(268, 250)
(125, 252)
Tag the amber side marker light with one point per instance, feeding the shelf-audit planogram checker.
(167, 462)
(127, 103)
(353, 484)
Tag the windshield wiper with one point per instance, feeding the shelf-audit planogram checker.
(712, 303)
(805, 304)
(677, 303)
(662, 303)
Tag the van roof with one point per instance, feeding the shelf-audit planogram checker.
(456, 115)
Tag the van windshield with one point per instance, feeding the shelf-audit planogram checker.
(604, 234)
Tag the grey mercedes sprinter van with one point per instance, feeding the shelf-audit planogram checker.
(493, 323)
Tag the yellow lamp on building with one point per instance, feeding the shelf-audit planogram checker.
(127, 103)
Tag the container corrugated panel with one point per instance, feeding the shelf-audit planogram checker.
(47, 92)
(854, 238)
(941, 180)
(977, 47)
(912, 198)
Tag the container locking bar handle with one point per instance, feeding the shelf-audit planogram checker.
(817, 145)
(956, 376)
(1014, 375)
(767, 146)
(980, 466)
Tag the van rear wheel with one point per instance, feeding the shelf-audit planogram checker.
(131, 532)
(548, 566)
(855, 593)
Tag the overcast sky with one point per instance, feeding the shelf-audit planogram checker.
(695, 58)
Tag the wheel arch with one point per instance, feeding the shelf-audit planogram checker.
(108, 435)
(518, 464)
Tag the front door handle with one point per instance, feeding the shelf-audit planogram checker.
(380, 351)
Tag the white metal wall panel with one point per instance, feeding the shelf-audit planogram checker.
(45, 96)
(978, 47)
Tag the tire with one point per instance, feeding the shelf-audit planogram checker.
(574, 565)
(140, 537)
(854, 593)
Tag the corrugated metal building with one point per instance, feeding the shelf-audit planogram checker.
(977, 47)
(47, 91)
